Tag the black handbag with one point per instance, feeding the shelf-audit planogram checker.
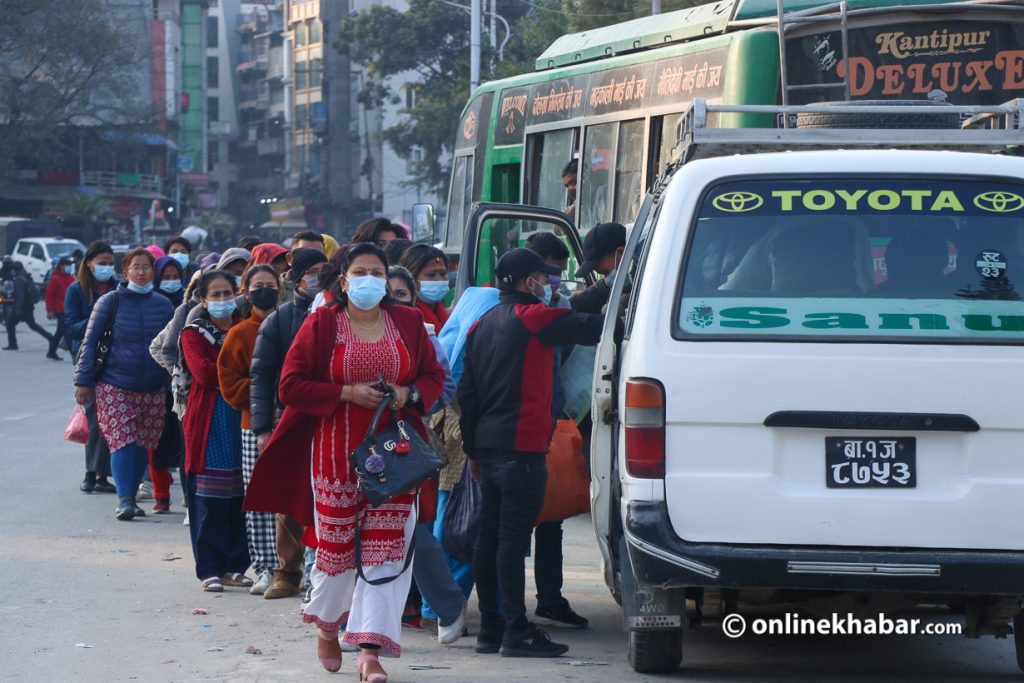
(393, 462)
(106, 339)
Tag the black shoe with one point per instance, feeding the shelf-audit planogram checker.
(560, 615)
(53, 356)
(88, 484)
(125, 512)
(532, 642)
(139, 512)
(104, 486)
(10, 348)
(489, 640)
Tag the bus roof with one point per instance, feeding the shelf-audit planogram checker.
(682, 25)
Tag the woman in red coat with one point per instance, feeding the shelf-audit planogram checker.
(429, 266)
(328, 388)
(56, 289)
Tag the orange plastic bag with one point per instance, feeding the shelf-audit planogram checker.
(568, 489)
(78, 427)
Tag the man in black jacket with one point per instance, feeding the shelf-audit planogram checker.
(275, 337)
(602, 253)
(505, 396)
(25, 297)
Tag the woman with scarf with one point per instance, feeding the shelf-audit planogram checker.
(329, 387)
(95, 278)
(213, 443)
(429, 266)
(261, 287)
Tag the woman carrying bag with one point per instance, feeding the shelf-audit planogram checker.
(331, 389)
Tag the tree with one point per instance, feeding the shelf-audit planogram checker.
(65, 63)
(85, 207)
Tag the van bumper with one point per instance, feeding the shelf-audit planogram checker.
(659, 558)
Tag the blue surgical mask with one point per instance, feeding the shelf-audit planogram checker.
(70, 270)
(221, 310)
(171, 286)
(547, 295)
(140, 289)
(433, 291)
(366, 291)
(182, 260)
(103, 273)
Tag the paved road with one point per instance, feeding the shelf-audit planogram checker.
(75, 576)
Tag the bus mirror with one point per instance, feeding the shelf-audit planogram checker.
(423, 223)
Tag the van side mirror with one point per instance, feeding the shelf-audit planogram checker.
(423, 223)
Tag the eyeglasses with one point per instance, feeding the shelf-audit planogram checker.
(143, 268)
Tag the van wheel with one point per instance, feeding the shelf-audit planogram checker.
(916, 121)
(655, 652)
(1018, 639)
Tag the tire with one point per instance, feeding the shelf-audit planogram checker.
(913, 121)
(1018, 639)
(655, 652)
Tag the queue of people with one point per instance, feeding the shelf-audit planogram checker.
(258, 371)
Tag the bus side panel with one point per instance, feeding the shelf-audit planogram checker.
(751, 77)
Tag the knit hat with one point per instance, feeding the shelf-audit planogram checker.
(303, 260)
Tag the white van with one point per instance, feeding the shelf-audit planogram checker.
(38, 254)
(819, 392)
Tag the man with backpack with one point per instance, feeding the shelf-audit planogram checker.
(26, 296)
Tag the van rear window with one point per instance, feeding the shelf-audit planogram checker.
(912, 258)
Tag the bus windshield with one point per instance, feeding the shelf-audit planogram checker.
(857, 257)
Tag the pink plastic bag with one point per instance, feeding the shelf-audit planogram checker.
(78, 427)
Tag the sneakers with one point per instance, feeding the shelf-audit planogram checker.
(162, 506)
(560, 615)
(139, 512)
(532, 642)
(446, 635)
(307, 595)
(262, 583)
(185, 521)
(104, 486)
(125, 511)
(489, 640)
(281, 589)
(145, 491)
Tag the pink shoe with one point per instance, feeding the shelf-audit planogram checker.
(366, 661)
(328, 651)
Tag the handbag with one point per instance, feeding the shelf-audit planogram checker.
(106, 339)
(78, 426)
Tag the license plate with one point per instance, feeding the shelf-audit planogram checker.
(872, 462)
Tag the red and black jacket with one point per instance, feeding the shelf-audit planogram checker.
(506, 385)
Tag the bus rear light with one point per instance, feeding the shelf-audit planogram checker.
(645, 429)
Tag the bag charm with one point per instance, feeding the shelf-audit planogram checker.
(375, 465)
(404, 445)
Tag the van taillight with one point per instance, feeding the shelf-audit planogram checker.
(645, 429)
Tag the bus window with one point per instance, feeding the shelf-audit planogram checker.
(460, 200)
(629, 159)
(551, 152)
(595, 180)
(664, 136)
(499, 236)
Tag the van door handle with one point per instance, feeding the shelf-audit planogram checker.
(840, 420)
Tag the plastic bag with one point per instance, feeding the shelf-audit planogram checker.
(78, 427)
(568, 489)
(462, 517)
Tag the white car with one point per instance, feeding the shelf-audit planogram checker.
(817, 397)
(37, 254)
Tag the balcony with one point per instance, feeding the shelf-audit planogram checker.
(114, 183)
(270, 146)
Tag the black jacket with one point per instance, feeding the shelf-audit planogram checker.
(272, 343)
(506, 385)
(592, 299)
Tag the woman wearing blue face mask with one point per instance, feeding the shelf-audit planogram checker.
(429, 266)
(128, 385)
(170, 279)
(78, 303)
(213, 443)
(180, 249)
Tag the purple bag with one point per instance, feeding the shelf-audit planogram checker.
(462, 517)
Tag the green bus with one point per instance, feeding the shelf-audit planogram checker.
(612, 98)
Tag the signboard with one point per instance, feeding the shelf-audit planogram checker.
(973, 62)
(676, 80)
(184, 162)
(196, 179)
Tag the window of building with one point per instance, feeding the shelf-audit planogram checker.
(314, 32)
(212, 109)
(212, 38)
(301, 116)
(212, 72)
(301, 75)
(411, 91)
(316, 73)
(300, 34)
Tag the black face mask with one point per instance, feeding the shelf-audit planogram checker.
(264, 298)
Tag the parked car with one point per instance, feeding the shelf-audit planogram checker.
(38, 254)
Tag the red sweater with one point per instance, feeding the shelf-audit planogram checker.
(280, 481)
(201, 359)
(55, 291)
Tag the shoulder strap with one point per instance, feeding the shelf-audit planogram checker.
(408, 551)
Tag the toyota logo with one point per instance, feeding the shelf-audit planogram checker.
(999, 202)
(737, 202)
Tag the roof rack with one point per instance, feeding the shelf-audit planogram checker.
(994, 129)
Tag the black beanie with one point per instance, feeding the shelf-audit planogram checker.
(303, 260)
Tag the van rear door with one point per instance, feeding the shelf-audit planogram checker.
(847, 364)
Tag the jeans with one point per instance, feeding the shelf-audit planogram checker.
(460, 571)
(512, 494)
(430, 569)
(129, 465)
(547, 563)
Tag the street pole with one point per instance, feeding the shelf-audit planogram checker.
(474, 45)
(494, 25)
(655, 7)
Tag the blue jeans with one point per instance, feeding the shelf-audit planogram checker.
(462, 572)
(434, 579)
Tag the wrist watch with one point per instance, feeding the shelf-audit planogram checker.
(414, 395)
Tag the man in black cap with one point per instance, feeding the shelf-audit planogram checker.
(602, 253)
(505, 396)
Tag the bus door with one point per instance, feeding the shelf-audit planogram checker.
(494, 229)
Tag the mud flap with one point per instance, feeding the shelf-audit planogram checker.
(646, 608)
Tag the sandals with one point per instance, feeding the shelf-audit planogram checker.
(328, 651)
(236, 579)
(363, 662)
(213, 585)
